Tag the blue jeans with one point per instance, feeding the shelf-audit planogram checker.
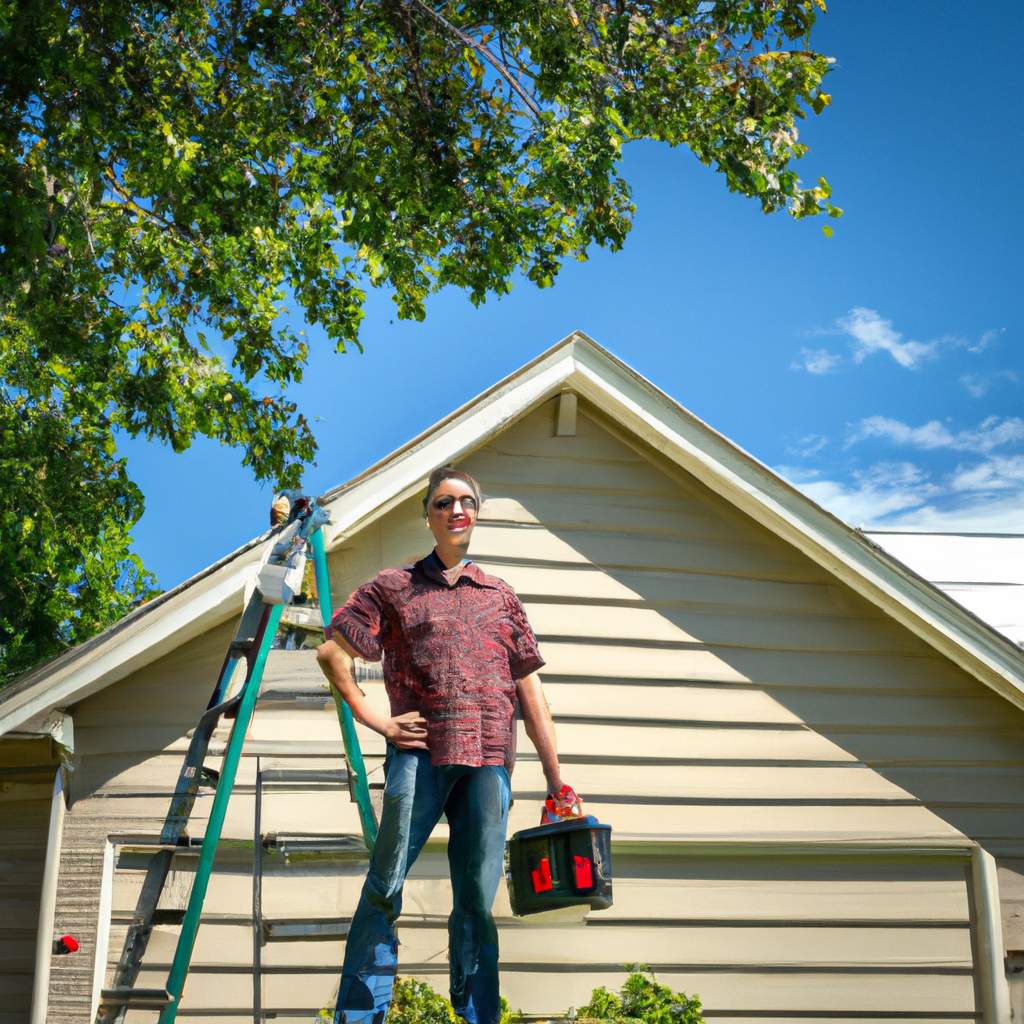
(475, 801)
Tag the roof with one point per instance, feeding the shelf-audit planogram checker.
(575, 364)
(982, 571)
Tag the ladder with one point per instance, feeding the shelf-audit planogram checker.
(252, 644)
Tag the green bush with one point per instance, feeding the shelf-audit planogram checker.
(642, 998)
(415, 1002)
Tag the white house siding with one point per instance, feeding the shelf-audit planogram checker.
(791, 777)
(714, 688)
(27, 770)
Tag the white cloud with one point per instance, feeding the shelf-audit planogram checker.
(807, 446)
(1003, 516)
(986, 497)
(873, 334)
(990, 434)
(979, 384)
(885, 488)
(997, 473)
(983, 342)
(817, 360)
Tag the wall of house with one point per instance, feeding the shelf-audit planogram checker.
(791, 777)
(129, 741)
(27, 770)
(726, 705)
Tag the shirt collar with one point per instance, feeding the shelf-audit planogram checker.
(433, 568)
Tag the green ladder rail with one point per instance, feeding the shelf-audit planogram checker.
(353, 753)
(255, 634)
(253, 642)
(190, 925)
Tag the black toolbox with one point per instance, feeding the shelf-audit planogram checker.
(564, 864)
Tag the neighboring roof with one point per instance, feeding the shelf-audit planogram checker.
(580, 365)
(982, 571)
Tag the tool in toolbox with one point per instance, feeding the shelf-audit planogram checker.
(566, 861)
(279, 580)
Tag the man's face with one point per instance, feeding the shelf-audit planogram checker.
(451, 513)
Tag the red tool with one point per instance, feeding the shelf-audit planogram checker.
(561, 806)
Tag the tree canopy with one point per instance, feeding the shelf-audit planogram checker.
(188, 182)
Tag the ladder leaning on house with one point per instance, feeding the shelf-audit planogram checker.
(252, 643)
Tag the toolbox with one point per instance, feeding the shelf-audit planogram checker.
(561, 864)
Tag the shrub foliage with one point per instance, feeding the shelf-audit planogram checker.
(640, 999)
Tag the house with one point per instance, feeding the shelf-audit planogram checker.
(811, 757)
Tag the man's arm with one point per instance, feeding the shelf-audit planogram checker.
(407, 731)
(540, 728)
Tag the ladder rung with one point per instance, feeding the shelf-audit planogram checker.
(327, 777)
(241, 645)
(292, 844)
(139, 998)
(292, 748)
(307, 930)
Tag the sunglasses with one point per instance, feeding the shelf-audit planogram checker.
(445, 502)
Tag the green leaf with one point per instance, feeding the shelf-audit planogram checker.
(174, 175)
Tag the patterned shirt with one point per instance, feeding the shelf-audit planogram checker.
(452, 651)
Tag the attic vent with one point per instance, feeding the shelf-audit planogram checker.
(565, 416)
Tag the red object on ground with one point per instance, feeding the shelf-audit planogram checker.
(66, 944)
(542, 876)
(584, 873)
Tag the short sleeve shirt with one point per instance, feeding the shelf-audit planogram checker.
(451, 651)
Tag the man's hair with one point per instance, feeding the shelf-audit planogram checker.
(443, 473)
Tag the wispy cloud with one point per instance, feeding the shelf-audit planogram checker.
(988, 496)
(873, 334)
(990, 434)
(808, 446)
(982, 343)
(979, 384)
(885, 488)
(816, 360)
(998, 473)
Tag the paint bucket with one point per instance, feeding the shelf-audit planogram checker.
(564, 864)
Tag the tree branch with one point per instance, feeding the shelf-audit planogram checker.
(485, 53)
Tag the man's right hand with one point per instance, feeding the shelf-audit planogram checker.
(408, 731)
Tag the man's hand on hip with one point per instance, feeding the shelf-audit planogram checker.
(408, 731)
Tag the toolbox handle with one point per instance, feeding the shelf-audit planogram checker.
(564, 805)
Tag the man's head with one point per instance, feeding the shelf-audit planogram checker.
(451, 507)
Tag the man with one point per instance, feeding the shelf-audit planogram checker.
(458, 655)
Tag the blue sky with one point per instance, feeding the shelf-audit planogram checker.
(882, 370)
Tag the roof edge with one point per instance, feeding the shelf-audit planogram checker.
(638, 406)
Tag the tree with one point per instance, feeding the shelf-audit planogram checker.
(179, 175)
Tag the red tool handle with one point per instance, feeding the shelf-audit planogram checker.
(561, 806)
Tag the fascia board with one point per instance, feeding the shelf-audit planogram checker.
(748, 484)
(191, 613)
(403, 475)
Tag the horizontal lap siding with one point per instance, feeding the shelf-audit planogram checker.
(25, 801)
(121, 785)
(709, 682)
